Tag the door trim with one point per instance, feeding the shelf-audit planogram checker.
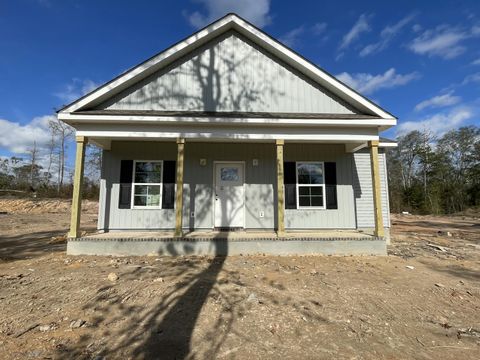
(215, 162)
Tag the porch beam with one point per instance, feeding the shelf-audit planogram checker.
(280, 190)
(179, 190)
(377, 197)
(81, 142)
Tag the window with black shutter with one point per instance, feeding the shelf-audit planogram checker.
(331, 185)
(125, 191)
(310, 185)
(290, 185)
(169, 172)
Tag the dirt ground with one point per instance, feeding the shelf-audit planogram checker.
(422, 301)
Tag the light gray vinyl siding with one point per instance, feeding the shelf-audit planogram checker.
(198, 184)
(362, 177)
(354, 190)
(230, 73)
(344, 216)
(115, 218)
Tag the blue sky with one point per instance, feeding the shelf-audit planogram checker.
(420, 60)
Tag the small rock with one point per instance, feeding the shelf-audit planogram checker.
(439, 285)
(252, 298)
(112, 277)
(77, 323)
(158, 280)
(313, 272)
(410, 267)
(44, 328)
(449, 234)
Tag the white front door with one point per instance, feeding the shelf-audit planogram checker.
(229, 194)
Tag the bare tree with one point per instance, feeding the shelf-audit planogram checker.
(62, 133)
(33, 163)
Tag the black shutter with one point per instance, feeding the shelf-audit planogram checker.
(126, 172)
(290, 182)
(168, 196)
(331, 185)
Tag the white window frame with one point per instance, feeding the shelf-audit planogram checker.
(298, 186)
(132, 200)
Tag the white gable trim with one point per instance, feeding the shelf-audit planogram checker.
(224, 24)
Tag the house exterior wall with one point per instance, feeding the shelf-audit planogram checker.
(230, 73)
(362, 185)
(353, 186)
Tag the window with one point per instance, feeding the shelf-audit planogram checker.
(310, 185)
(147, 184)
(229, 174)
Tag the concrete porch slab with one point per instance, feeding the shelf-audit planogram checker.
(213, 243)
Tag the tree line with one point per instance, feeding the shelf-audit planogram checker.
(427, 174)
(44, 172)
(435, 175)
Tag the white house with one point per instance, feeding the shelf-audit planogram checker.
(228, 130)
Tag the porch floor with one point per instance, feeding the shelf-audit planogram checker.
(234, 235)
(207, 242)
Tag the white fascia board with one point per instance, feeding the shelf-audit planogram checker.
(230, 21)
(72, 119)
(152, 135)
(387, 144)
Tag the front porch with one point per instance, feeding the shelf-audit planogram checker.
(221, 243)
(348, 222)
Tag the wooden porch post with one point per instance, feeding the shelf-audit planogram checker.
(179, 191)
(280, 189)
(77, 187)
(377, 197)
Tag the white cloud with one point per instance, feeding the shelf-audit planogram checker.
(319, 28)
(255, 11)
(438, 124)
(75, 89)
(386, 36)
(472, 78)
(358, 28)
(417, 28)
(367, 83)
(291, 38)
(439, 101)
(443, 41)
(19, 138)
(476, 62)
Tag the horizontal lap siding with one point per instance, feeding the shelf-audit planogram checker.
(344, 216)
(363, 192)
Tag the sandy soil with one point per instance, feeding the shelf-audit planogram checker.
(420, 302)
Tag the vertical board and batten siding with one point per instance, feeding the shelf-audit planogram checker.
(344, 216)
(354, 191)
(362, 185)
(259, 180)
(230, 73)
(198, 184)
